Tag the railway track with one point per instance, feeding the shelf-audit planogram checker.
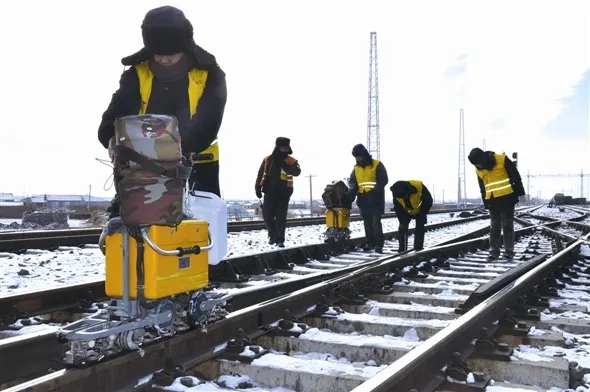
(75, 297)
(432, 284)
(19, 241)
(238, 270)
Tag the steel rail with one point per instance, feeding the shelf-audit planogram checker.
(107, 375)
(232, 269)
(27, 351)
(420, 369)
(17, 241)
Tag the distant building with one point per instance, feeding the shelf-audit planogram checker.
(67, 201)
(6, 197)
(237, 211)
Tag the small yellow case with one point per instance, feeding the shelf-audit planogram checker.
(338, 218)
(164, 276)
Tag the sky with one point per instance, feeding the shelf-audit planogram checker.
(520, 70)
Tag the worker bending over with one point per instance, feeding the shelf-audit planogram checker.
(500, 186)
(367, 183)
(275, 179)
(172, 75)
(411, 200)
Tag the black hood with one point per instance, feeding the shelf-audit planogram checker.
(484, 158)
(361, 151)
(402, 189)
(166, 30)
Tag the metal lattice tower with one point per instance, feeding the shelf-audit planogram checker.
(373, 134)
(461, 187)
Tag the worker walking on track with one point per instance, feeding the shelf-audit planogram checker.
(367, 184)
(172, 75)
(500, 185)
(275, 180)
(411, 200)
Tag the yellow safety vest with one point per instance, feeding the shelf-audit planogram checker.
(366, 177)
(496, 181)
(415, 198)
(196, 84)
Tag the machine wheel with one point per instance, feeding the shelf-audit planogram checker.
(165, 307)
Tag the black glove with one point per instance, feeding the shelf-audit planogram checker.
(486, 205)
(259, 193)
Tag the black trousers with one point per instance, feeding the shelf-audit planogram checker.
(501, 222)
(373, 230)
(419, 233)
(274, 213)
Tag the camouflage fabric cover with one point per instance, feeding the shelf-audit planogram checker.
(146, 197)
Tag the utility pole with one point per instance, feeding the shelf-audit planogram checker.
(310, 193)
(89, 193)
(461, 185)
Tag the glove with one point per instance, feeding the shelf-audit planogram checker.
(486, 205)
(111, 148)
(259, 193)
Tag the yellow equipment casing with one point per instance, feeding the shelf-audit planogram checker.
(338, 218)
(164, 276)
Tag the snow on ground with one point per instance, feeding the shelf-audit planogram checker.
(42, 269)
(554, 213)
(408, 341)
(248, 242)
(223, 383)
(73, 223)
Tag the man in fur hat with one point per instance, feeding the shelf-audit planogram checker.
(275, 179)
(500, 186)
(172, 75)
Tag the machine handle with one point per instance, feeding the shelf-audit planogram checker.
(178, 251)
(101, 240)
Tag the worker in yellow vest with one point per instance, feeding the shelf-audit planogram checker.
(500, 185)
(275, 179)
(172, 75)
(367, 184)
(411, 200)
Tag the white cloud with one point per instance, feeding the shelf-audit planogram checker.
(300, 70)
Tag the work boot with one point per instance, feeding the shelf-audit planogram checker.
(271, 241)
(280, 244)
(509, 255)
(493, 256)
(379, 249)
(368, 248)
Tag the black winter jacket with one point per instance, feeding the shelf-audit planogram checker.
(373, 202)
(507, 202)
(427, 201)
(171, 98)
(273, 185)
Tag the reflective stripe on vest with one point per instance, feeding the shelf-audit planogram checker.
(366, 177)
(496, 181)
(415, 199)
(284, 175)
(196, 85)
